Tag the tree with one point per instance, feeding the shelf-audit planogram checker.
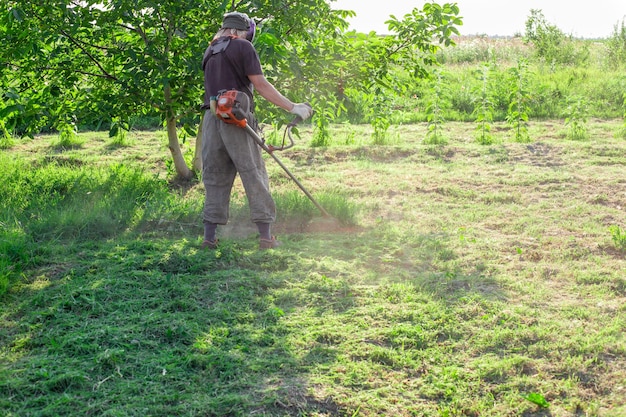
(120, 58)
(363, 64)
(616, 45)
(551, 44)
(130, 57)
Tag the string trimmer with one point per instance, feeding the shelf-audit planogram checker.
(230, 108)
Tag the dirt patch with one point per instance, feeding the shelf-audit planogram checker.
(538, 154)
(245, 228)
(336, 155)
(314, 225)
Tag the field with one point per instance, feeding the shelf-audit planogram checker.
(464, 280)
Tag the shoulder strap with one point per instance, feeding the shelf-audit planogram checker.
(217, 46)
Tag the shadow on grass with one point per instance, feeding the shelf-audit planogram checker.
(156, 326)
(149, 327)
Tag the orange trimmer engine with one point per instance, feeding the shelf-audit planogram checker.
(232, 107)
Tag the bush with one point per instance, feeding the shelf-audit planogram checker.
(619, 237)
(616, 46)
(551, 44)
(6, 140)
(13, 255)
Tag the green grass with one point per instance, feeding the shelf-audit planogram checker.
(551, 87)
(463, 280)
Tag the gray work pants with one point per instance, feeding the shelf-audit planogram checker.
(227, 150)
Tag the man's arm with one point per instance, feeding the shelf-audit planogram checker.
(270, 93)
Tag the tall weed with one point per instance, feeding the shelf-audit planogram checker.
(118, 132)
(484, 109)
(616, 46)
(381, 124)
(65, 201)
(576, 121)
(13, 239)
(293, 205)
(68, 136)
(434, 112)
(621, 132)
(381, 117)
(549, 84)
(6, 140)
(14, 254)
(619, 237)
(324, 113)
(517, 115)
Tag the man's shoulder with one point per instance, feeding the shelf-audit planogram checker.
(242, 48)
(242, 43)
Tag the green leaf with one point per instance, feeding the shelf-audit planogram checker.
(114, 130)
(12, 94)
(17, 15)
(538, 399)
(8, 111)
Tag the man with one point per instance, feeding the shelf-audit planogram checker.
(231, 62)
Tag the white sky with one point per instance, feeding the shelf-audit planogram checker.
(585, 19)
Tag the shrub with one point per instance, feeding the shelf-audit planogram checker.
(434, 112)
(616, 46)
(13, 255)
(483, 110)
(621, 132)
(551, 44)
(576, 121)
(517, 115)
(619, 237)
(68, 136)
(6, 140)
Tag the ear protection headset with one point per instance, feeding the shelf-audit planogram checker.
(240, 21)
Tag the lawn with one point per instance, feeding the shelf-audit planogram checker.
(464, 280)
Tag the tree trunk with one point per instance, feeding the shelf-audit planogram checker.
(182, 170)
(197, 159)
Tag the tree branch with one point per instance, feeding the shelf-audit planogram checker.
(105, 73)
(57, 69)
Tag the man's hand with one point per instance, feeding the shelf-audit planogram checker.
(302, 110)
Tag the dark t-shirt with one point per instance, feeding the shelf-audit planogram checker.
(230, 68)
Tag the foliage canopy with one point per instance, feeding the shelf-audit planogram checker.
(104, 62)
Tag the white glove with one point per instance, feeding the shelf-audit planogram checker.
(302, 110)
